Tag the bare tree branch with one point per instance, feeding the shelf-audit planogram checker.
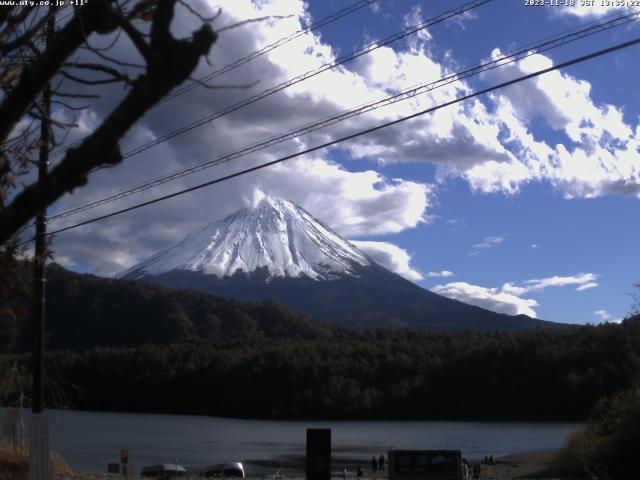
(171, 62)
(198, 15)
(160, 34)
(142, 10)
(98, 16)
(137, 38)
(51, 120)
(107, 47)
(69, 106)
(25, 38)
(111, 59)
(98, 67)
(58, 93)
(252, 20)
(12, 21)
(99, 81)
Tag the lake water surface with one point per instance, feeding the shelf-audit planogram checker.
(90, 440)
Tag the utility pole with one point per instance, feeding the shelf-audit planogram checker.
(39, 438)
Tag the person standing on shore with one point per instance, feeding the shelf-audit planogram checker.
(381, 462)
(374, 464)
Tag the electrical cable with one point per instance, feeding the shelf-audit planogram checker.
(524, 52)
(252, 56)
(302, 77)
(484, 91)
(258, 53)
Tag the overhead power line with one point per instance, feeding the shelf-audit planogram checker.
(272, 46)
(559, 66)
(305, 76)
(252, 56)
(521, 53)
(309, 74)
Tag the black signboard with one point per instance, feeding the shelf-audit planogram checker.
(318, 453)
(425, 465)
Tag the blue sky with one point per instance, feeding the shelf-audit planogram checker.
(544, 234)
(526, 199)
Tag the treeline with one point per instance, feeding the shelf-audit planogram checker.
(556, 374)
(131, 346)
(85, 311)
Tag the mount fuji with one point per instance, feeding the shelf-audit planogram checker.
(274, 237)
(276, 250)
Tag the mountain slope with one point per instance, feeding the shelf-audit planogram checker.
(277, 251)
(375, 297)
(84, 311)
(275, 235)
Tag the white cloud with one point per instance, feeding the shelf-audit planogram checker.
(487, 243)
(491, 147)
(606, 317)
(558, 281)
(442, 274)
(509, 298)
(490, 242)
(586, 286)
(596, 9)
(354, 203)
(391, 256)
(583, 280)
(415, 17)
(489, 298)
(600, 156)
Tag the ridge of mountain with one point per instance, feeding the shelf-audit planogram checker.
(374, 297)
(85, 311)
(277, 251)
(274, 234)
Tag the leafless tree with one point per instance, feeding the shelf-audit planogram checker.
(28, 65)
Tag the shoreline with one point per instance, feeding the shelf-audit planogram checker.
(522, 465)
(533, 464)
(529, 464)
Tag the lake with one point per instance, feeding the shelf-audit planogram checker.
(90, 440)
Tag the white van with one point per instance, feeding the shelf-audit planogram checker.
(223, 470)
(163, 471)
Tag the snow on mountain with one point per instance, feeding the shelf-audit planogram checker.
(274, 234)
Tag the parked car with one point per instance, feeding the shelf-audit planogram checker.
(223, 470)
(163, 471)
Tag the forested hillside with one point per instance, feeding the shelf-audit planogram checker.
(85, 311)
(131, 346)
(536, 375)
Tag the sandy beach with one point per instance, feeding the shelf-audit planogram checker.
(530, 465)
(524, 465)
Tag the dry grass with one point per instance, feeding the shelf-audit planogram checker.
(15, 465)
(609, 445)
(574, 459)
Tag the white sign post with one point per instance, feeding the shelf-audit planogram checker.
(39, 447)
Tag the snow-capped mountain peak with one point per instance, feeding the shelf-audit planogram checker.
(274, 234)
